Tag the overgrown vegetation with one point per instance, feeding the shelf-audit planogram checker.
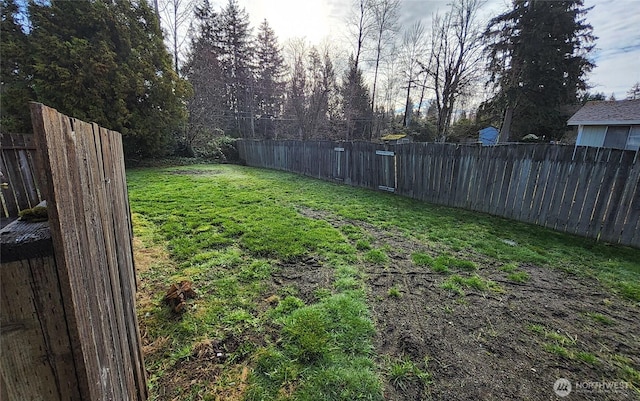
(232, 230)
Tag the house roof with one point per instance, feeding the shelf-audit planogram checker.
(393, 137)
(621, 112)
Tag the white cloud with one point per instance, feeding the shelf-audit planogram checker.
(293, 18)
(617, 52)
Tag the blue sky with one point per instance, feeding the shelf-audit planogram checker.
(616, 23)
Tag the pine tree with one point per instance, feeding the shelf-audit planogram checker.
(538, 61)
(15, 90)
(235, 59)
(106, 62)
(269, 70)
(311, 94)
(355, 104)
(634, 92)
(207, 107)
(321, 82)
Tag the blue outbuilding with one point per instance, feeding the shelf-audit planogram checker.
(488, 136)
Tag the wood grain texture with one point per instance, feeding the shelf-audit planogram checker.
(82, 166)
(37, 361)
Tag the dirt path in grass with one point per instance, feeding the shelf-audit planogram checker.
(511, 344)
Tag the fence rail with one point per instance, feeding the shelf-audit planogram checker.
(592, 192)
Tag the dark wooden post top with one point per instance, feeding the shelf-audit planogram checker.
(25, 240)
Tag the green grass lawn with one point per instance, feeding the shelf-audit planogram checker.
(228, 229)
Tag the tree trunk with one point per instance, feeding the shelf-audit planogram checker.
(506, 125)
(407, 117)
(157, 9)
(175, 38)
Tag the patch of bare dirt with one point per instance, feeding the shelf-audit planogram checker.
(306, 276)
(196, 172)
(497, 345)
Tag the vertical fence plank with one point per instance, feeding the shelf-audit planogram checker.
(542, 184)
(557, 195)
(586, 161)
(604, 191)
(531, 184)
(612, 227)
(35, 341)
(479, 175)
(503, 171)
(91, 231)
(18, 171)
(631, 223)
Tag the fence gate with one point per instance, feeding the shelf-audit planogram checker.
(387, 176)
(339, 162)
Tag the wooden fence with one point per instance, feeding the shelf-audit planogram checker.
(69, 313)
(586, 191)
(20, 189)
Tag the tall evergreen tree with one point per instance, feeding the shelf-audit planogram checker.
(15, 90)
(296, 97)
(538, 61)
(321, 85)
(207, 107)
(235, 59)
(105, 62)
(269, 70)
(355, 104)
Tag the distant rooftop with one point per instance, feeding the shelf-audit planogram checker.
(607, 113)
(393, 137)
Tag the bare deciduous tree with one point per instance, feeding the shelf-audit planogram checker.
(360, 23)
(175, 17)
(634, 92)
(391, 84)
(385, 25)
(413, 53)
(455, 62)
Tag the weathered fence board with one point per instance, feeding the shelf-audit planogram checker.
(17, 165)
(83, 180)
(586, 191)
(35, 344)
